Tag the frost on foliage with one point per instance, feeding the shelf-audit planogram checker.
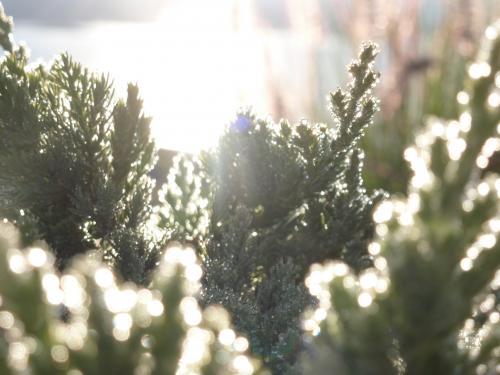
(83, 322)
(285, 196)
(431, 303)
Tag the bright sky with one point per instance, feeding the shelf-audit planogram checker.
(196, 65)
(201, 71)
(203, 60)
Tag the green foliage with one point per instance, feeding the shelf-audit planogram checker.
(421, 92)
(282, 198)
(6, 26)
(82, 322)
(423, 78)
(430, 305)
(184, 200)
(74, 163)
(270, 202)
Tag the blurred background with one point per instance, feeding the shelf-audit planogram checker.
(198, 61)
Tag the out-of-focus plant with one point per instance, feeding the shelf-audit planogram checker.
(82, 322)
(431, 304)
(425, 73)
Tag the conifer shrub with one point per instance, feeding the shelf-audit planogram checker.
(271, 200)
(278, 198)
(74, 161)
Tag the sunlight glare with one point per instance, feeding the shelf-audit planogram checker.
(203, 64)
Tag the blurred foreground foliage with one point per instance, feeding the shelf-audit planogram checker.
(83, 322)
(431, 304)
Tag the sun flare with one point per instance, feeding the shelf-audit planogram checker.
(203, 63)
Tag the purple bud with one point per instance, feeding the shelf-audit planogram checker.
(242, 124)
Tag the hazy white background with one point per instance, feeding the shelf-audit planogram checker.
(198, 61)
